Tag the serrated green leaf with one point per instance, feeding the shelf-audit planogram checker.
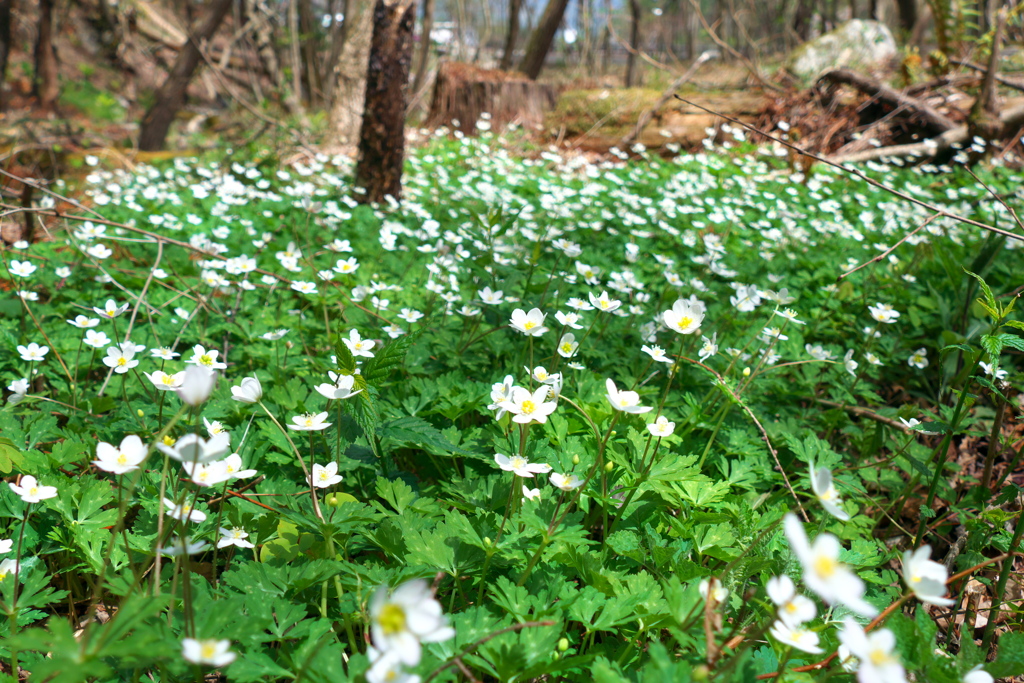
(380, 367)
(10, 456)
(990, 300)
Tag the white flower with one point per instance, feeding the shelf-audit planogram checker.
(324, 476)
(386, 667)
(656, 353)
(304, 287)
(110, 310)
(719, 594)
(99, 251)
(818, 352)
(878, 663)
(794, 609)
(501, 396)
(409, 315)
(19, 387)
(184, 512)
(527, 408)
(310, 422)
(183, 546)
(919, 359)
(346, 266)
(531, 494)
(978, 675)
(8, 567)
(404, 619)
(849, 363)
(197, 385)
(520, 465)
(31, 491)
(125, 458)
(249, 391)
(33, 352)
(489, 297)
(883, 313)
(531, 324)
(683, 317)
(625, 401)
(195, 449)
(6, 545)
(233, 467)
(825, 490)
(872, 358)
(357, 345)
(22, 268)
(274, 335)
(794, 636)
(569, 320)
(207, 359)
(207, 474)
(565, 482)
(210, 652)
(989, 369)
(341, 389)
(926, 577)
(823, 572)
(790, 315)
(661, 427)
(603, 303)
(84, 322)
(708, 348)
(568, 345)
(235, 537)
(164, 382)
(121, 358)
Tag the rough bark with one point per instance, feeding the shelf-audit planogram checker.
(339, 33)
(931, 120)
(349, 91)
(382, 135)
(5, 45)
(170, 98)
(423, 55)
(45, 85)
(983, 120)
(634, 42)
(541, 38)
(511, 35)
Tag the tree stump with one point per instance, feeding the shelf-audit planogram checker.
(382, 135)
(463, 92)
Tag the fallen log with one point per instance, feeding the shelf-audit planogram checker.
(1002, 80)
(1010, 120)
(931, 120)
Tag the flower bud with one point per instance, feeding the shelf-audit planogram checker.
(563, 644)
(746, 372)
(487, 541)
(139, 412)
(700, 672)
(575, 460)
(609, 466)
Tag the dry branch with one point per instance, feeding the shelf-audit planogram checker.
(665, 97)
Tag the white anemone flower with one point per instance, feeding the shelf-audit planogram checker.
(796, 637)
(684, 317)
(210, 652)
(531, 324)
(195, 449)
(527, 407)
(926, 577)
(875, 650)
(823, 572)
(403, 619)
(520, 465)
(120, 459)
(794, 609)
(625, 401)
(825, 490)
(340, 389)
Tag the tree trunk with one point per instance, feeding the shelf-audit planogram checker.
(803, 18)
(339, 33)
(45, 85)
(311, 65)
(542, 37)
(634, 42)
(5, 45)
(170, 98)
(382, 135)
(512, 35)
(350, 71)
(423, 58)
(907, 11)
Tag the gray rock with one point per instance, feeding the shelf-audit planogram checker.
(862, 45)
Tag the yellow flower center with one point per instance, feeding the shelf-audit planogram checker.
(529, 325)
(685, 322)
(122, 361)
(825, 566)
(518, 463)
(829, 494)
(207, 650)
(206, 359)
(789, 607)
(879, 657)
(323, 475)
(528, 407)
(167, 380)
(122, 459)
(169, 440)
(392, 619)
(567, 347)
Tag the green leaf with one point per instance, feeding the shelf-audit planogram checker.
(419, 432)
(990, 300)
(1012, 340)
(1010, 661)
(10, 456)
(380, 367)
(993, 346)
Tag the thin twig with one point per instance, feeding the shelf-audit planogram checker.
(468, 649)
